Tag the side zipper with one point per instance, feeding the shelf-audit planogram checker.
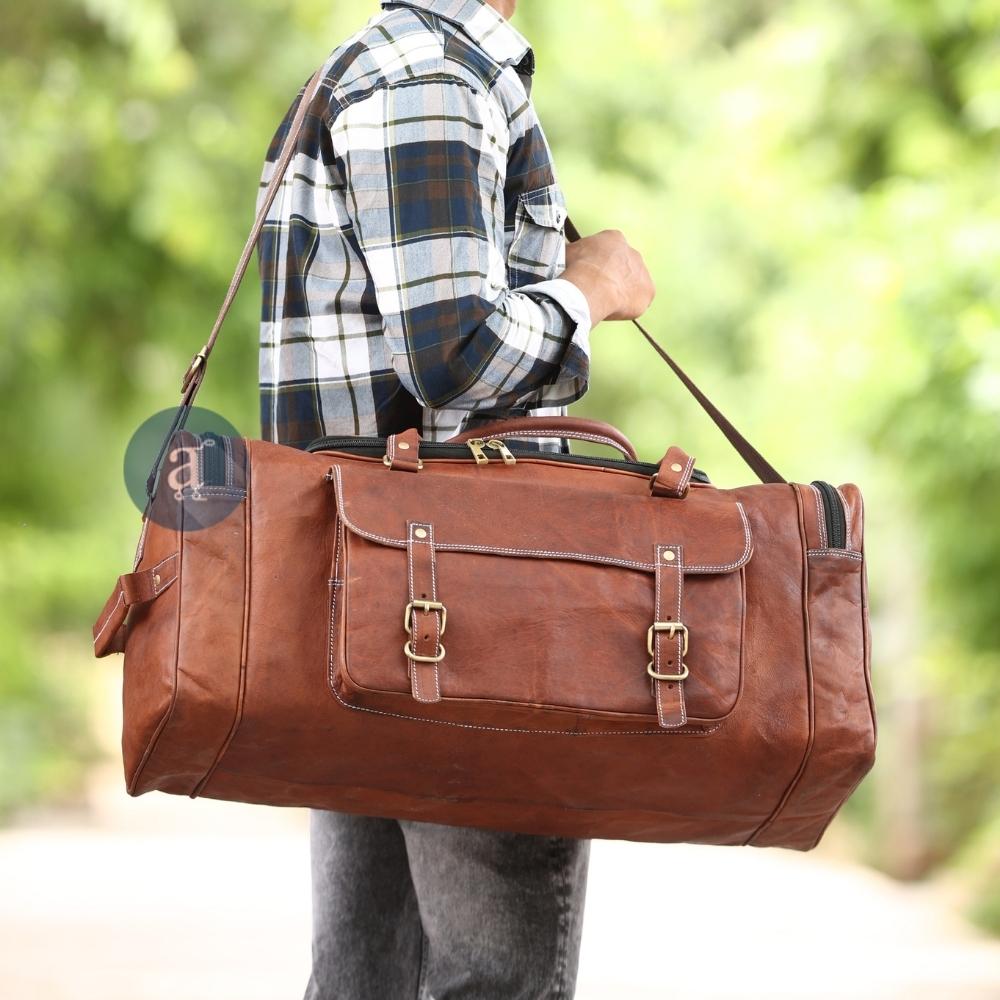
(834, 515)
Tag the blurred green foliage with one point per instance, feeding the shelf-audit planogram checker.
(813, 186)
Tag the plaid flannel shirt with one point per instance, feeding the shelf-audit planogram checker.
(410, 259)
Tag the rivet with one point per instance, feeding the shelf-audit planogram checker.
(403, 446)
(156, 580)
(420, 532)
(676, 467)
(669, 556)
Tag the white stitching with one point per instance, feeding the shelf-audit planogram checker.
(233, 492)
(163, 586)
(656, 640)
(686, 475)
(121, 595)
(680, 638)
(173, 555)
(575, 436)
(414, 671)
(437, 614)
(415, 666)
(538, 732)
(578, 556)
(846, 553)
(141, 547)
(152, 569)
(111, 614)
(335, 584)
(680, 488)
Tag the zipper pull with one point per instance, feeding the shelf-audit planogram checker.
(476, 447)
(505, 452)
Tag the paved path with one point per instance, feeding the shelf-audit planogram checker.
(168, 899)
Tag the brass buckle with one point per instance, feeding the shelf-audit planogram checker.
(196, 362)
(426, 606)
(408, 649)
(672, 628)
(408, 646)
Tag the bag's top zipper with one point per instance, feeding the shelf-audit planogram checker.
(476, 450)
(505, 453)
(476, 446)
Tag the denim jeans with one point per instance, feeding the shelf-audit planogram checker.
(407, 910)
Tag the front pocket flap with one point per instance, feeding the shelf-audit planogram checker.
(530, 510)
(545, 206)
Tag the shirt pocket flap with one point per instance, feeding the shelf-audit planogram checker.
(545, 206)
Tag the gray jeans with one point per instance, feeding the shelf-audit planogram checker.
(407, 910)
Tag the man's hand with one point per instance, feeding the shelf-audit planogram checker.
(611, 275)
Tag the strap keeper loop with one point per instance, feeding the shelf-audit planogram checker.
(198, 361)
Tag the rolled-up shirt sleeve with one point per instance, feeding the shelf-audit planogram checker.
(423, 164)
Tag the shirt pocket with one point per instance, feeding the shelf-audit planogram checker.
(538, 247)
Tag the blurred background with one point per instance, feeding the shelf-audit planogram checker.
(814, 187)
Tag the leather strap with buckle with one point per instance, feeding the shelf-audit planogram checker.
(667, 638)
(425, 617)
(671, 628)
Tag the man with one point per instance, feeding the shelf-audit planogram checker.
(416, 274)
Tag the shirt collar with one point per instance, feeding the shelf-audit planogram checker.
(492, 32)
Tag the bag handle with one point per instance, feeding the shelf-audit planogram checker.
(195, 373)
(577, 428)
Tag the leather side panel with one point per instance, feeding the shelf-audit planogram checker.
(150, 656)
(208, 679)
(843, 750)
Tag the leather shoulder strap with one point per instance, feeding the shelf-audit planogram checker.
(761, 467)
(195, 373)
(309, 92)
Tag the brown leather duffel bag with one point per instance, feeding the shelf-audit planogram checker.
(479, 634)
